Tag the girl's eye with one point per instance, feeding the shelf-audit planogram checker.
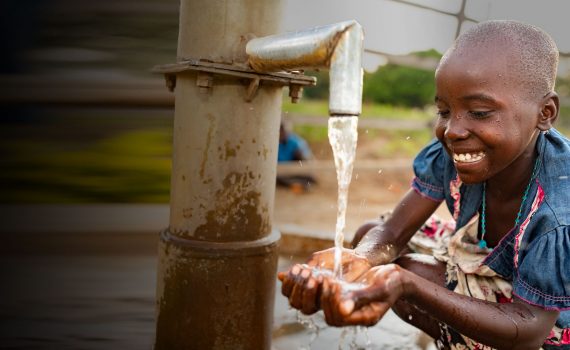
(480, 114)
(443, 114)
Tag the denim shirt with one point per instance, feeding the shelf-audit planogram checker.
(534, 255)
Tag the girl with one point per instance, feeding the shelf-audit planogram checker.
(501, 277)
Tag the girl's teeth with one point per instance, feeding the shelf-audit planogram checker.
(468, 157)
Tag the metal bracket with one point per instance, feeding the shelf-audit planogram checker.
(251, 89)
(170, 80)
(295, 92)
(205, 81)
(207, 70)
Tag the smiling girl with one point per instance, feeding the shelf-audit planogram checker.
(500, 276)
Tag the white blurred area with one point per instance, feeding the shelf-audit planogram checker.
(399, 27)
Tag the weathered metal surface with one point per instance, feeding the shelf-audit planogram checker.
(237, 71)
(337, 47)
(216, 298)
(241, 74)
(224, 159)
(217, 260)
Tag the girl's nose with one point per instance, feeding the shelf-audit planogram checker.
(456, 128)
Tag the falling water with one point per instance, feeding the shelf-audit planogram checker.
(342, 137)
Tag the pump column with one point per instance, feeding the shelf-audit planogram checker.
(218, 258)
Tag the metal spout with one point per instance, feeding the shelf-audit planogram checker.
(337, 47)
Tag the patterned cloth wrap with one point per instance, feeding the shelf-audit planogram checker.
(466, 274)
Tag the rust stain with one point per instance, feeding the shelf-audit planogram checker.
(265, 152)
(237, 211)
(230, 152)
(206, 149)
(321, 56)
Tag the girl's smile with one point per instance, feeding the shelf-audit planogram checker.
(472, 157)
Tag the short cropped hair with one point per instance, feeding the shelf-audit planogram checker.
(534, 54)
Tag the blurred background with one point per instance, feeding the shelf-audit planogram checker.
(84, 121)
(86, 145)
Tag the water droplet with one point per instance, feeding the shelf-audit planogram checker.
(380, 171)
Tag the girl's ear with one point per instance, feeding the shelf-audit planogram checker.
(549, 111)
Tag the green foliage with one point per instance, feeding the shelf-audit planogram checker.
(319, 108)
(312, 133)
(129, 167)
(391, 84)
(400, 86)
(563, 90)
(306, 107)
(563, 117)
(321, 90)
(403, 143)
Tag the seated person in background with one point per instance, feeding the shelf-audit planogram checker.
(293, 148)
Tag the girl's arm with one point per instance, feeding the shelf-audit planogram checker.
(383, 243)
(516, 325)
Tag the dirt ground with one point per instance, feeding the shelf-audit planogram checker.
(376, 187)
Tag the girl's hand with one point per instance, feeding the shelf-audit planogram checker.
(302, 284)
(364, 301)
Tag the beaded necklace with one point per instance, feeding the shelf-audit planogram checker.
(482, 242)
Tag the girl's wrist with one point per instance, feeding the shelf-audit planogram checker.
(376, 254)
(407, 282)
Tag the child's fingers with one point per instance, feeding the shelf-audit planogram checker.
(324, 298)
(281, 275)
(287, 286)
(310, 296)
(366, 296)
(346, 307)
(295, 299)
(289, 280)
(301, 280)
(333, 300)
(326, 302)
(368, 315)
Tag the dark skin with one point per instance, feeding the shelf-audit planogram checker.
(489, 125)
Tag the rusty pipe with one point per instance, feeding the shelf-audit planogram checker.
(337, 47)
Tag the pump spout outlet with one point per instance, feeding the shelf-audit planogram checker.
(337, 47)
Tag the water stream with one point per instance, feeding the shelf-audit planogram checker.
(342, 137)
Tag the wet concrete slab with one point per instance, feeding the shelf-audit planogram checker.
(84, 277)
(107, 302)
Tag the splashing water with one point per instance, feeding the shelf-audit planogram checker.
(356, 338)
(309, 323)
(342, 137)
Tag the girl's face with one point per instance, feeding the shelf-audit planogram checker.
(485, 122)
